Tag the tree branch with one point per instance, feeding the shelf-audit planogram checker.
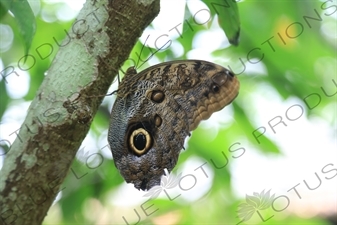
(59, 117)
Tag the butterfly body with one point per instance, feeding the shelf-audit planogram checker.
(156, 109)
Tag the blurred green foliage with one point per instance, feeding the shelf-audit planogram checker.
(291, 42)
(24, 17)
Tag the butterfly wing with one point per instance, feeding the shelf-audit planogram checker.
(146, 136)
(155, 110)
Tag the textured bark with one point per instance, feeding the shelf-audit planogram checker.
(61, 113)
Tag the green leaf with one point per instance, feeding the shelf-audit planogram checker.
(3, 10)
(4, 99)
(229, 20)
(24, 17)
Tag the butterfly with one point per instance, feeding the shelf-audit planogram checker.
(156, 109)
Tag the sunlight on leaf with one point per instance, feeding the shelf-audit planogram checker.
(228, 16)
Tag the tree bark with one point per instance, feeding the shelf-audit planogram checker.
(59, 117)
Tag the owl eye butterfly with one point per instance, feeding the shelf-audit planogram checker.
(156, 109)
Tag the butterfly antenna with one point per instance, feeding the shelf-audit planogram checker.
(109, 94)
(154, 53)
(112, 93)
(118, 77)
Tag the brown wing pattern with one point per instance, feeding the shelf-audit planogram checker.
(157, 108)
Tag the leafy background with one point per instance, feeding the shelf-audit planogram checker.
(95, 193)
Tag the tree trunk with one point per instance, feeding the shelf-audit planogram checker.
(59, 117)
